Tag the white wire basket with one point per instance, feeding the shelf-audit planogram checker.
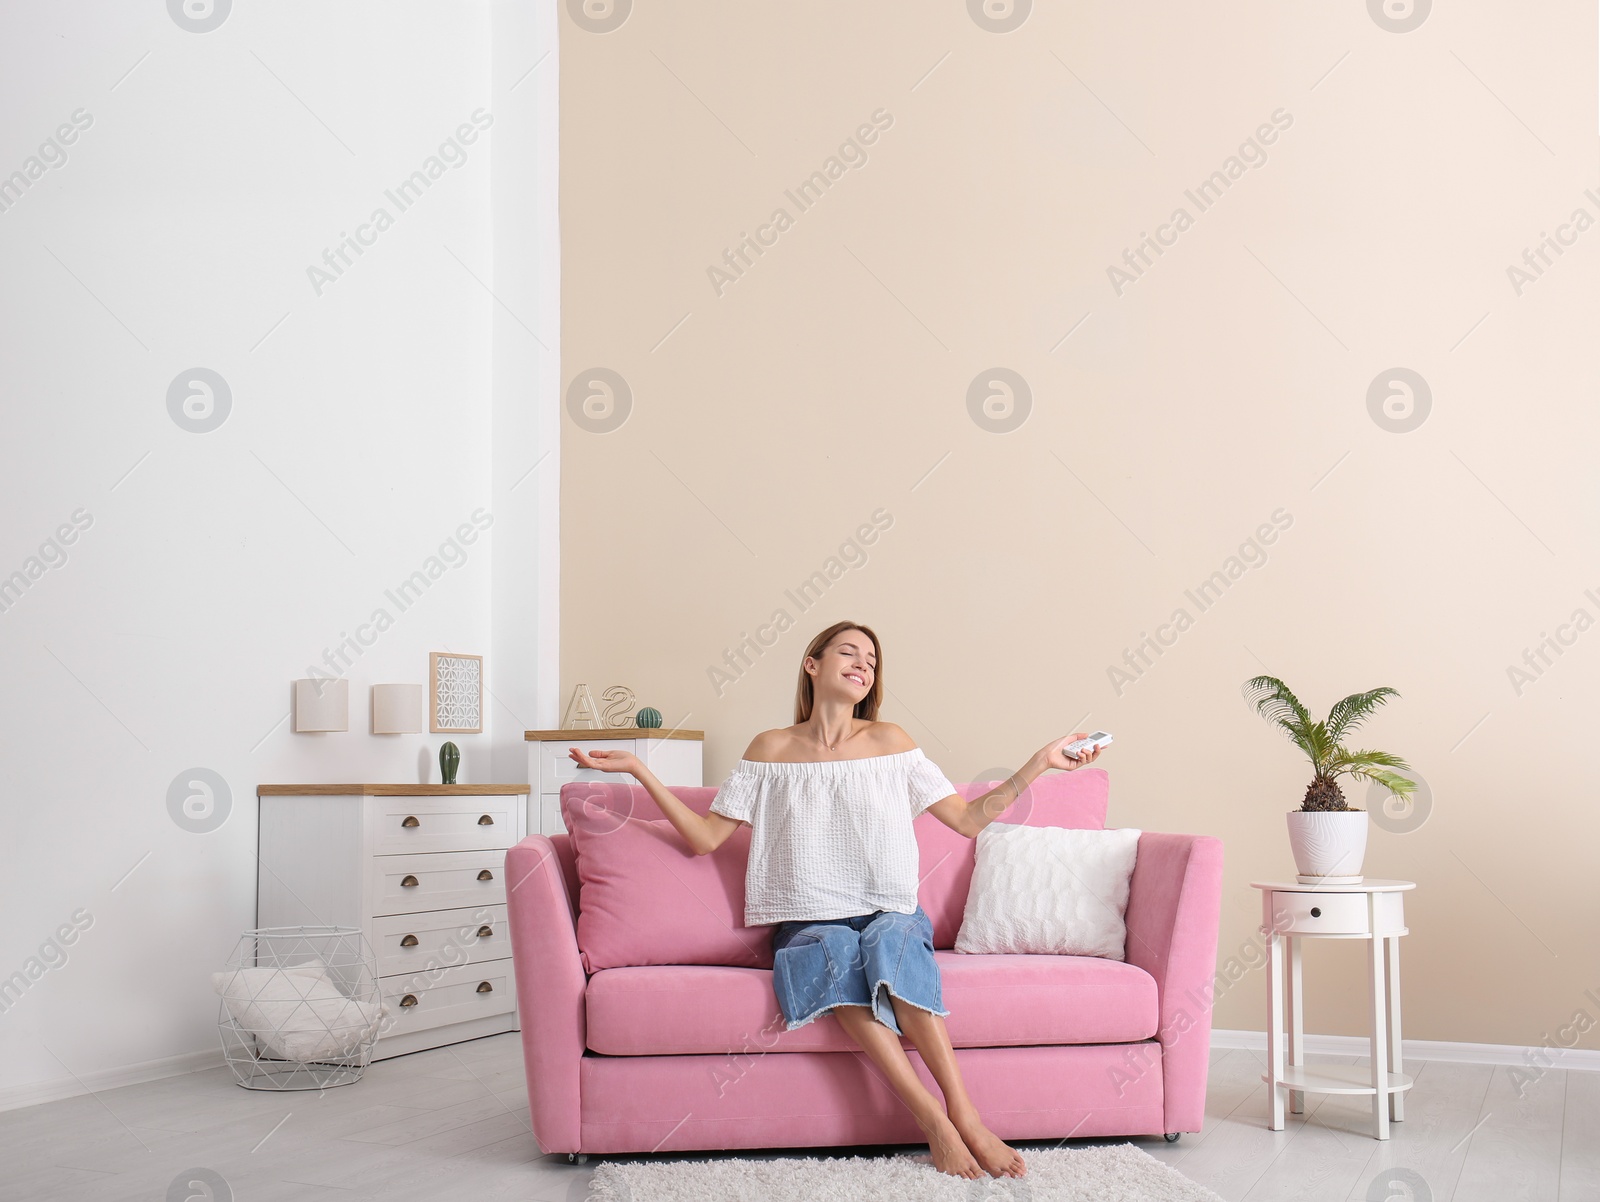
(300, 1007)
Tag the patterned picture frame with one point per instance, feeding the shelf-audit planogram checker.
(455, 693)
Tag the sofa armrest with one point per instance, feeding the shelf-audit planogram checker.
(550, 989)
(1174, 909)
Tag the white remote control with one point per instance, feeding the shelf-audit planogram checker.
(1075, 749)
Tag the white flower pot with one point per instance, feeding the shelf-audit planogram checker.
(1328, 845)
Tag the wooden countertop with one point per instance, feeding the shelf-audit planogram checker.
(612, 732)
(388, 790)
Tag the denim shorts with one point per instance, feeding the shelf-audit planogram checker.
(858, 961)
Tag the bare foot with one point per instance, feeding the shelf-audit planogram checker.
(950, 1154)
(997, 1158)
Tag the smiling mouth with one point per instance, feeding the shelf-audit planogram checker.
(857, 678)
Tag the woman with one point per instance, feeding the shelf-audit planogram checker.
(833, 867)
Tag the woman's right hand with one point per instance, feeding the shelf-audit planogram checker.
(605, 761)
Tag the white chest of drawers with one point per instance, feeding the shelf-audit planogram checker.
(420, 869)
(673, 755)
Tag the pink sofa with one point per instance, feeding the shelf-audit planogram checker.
(662, 1033)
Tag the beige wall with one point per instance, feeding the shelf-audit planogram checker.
(1227, 384)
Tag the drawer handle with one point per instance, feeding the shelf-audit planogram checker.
(485, 931)
(1316, 911)
(408, 1001)
(410, 820)
(410, 882)
(485, 987)
(486, 875)
(486, 820)
(409, 941)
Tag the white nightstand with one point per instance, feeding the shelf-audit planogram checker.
(1372, 910)
(673, 755)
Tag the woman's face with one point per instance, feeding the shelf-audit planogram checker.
(846, 667)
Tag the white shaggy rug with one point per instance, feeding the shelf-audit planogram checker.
(1119, 1173)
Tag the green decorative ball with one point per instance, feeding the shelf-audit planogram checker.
(449, 761)
(648, 717)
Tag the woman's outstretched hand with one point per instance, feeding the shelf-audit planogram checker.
(1054, 757)
(604, 761)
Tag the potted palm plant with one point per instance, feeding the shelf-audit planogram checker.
(1327, 837)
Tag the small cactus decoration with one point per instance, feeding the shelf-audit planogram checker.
(648, 717)
(449, 761)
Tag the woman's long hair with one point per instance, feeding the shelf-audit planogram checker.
(867, 707)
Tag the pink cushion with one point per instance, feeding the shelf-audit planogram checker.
(644, 897)
(994, 1001)
(1076, 800)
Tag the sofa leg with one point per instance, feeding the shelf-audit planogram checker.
(583, 1157)
(1173, 1136)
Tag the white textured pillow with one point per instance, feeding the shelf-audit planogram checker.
(1049, 890)
(297, 1012)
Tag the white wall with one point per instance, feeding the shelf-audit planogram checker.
(527, 413)
(365, 427)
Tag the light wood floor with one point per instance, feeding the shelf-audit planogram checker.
(452, 1124)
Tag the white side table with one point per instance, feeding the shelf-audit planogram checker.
(1373, 910)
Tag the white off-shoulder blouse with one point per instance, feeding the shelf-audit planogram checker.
(831, 839)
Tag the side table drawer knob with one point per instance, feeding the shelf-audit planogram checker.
(409, 882)
(486, 875)
(485, 931)
(485, 987)
(486, 820)
(408, 1001)
(410, 821)
(1316, 911)
(409, 941)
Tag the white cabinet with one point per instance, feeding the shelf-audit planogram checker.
(420, 870)
(673, 755)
